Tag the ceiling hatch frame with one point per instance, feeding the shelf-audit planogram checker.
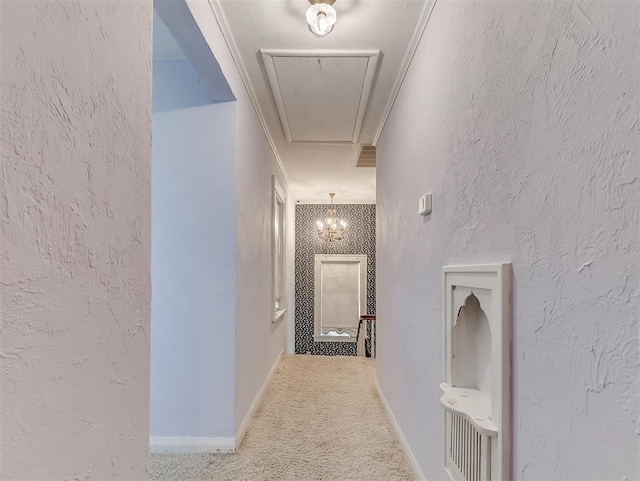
(371, 56)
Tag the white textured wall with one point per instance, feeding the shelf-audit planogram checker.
(522, 119)
(257, 342)
(193, 256)
(75, 246)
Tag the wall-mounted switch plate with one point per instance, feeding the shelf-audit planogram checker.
(424, 204)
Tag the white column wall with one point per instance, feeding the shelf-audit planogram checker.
(193, 256)
(522, 119)
(75, 239)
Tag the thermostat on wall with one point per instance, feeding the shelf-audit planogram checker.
(424, 204)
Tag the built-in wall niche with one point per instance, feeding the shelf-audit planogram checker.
(477, 388)
(471, 343)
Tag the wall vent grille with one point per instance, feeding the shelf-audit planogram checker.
(367, 157)
(468, 453)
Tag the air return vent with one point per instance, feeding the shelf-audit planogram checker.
(468, 453)
(367, 157)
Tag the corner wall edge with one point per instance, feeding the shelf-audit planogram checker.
(244, 425)
(404, 445)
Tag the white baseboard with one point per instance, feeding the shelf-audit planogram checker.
(191, 445)
(413, 464)
(242, 430)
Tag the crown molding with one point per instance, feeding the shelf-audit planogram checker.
(406, 62)
(221, 18)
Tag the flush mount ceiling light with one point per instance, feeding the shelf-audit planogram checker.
(332, 228)
(321, 16)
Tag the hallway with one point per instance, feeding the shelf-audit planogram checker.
(157, 255)
(321, 419)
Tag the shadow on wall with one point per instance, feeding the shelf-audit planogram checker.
(360, 239)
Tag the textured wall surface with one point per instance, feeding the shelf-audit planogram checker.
(257, 342)
(192, 256)
(360, 239)
(75, 245)
(522, 119)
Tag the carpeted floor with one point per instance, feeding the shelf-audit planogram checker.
(321, 420)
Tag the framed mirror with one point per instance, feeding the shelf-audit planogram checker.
(340, 296)
(278, 251)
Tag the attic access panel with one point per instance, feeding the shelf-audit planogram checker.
(321, 95)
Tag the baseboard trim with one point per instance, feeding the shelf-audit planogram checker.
(413, 464)
(194, 445)
(191, 445)
(242, 430)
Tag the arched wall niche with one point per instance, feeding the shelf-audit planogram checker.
(472, 348)
(477, 389)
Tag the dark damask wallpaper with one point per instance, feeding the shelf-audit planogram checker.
(360, 239)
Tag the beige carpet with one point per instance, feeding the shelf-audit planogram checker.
(321, 420)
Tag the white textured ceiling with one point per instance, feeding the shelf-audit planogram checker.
(390, 26)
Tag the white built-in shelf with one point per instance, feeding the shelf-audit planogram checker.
(472, 405)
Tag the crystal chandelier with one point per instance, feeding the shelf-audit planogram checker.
(331, 228)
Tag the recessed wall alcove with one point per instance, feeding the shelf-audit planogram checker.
(477, 388)
(471, 360)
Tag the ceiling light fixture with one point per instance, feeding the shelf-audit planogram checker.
(321, 16)
(332, 228)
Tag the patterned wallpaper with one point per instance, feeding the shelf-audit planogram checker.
(360, 239)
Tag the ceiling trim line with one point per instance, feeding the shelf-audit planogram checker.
(406, 62)
(365, 95)
(276, 52)
(315, 201)
(272, 76)
(221, 18)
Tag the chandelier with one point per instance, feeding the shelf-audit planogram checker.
(331, 228)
